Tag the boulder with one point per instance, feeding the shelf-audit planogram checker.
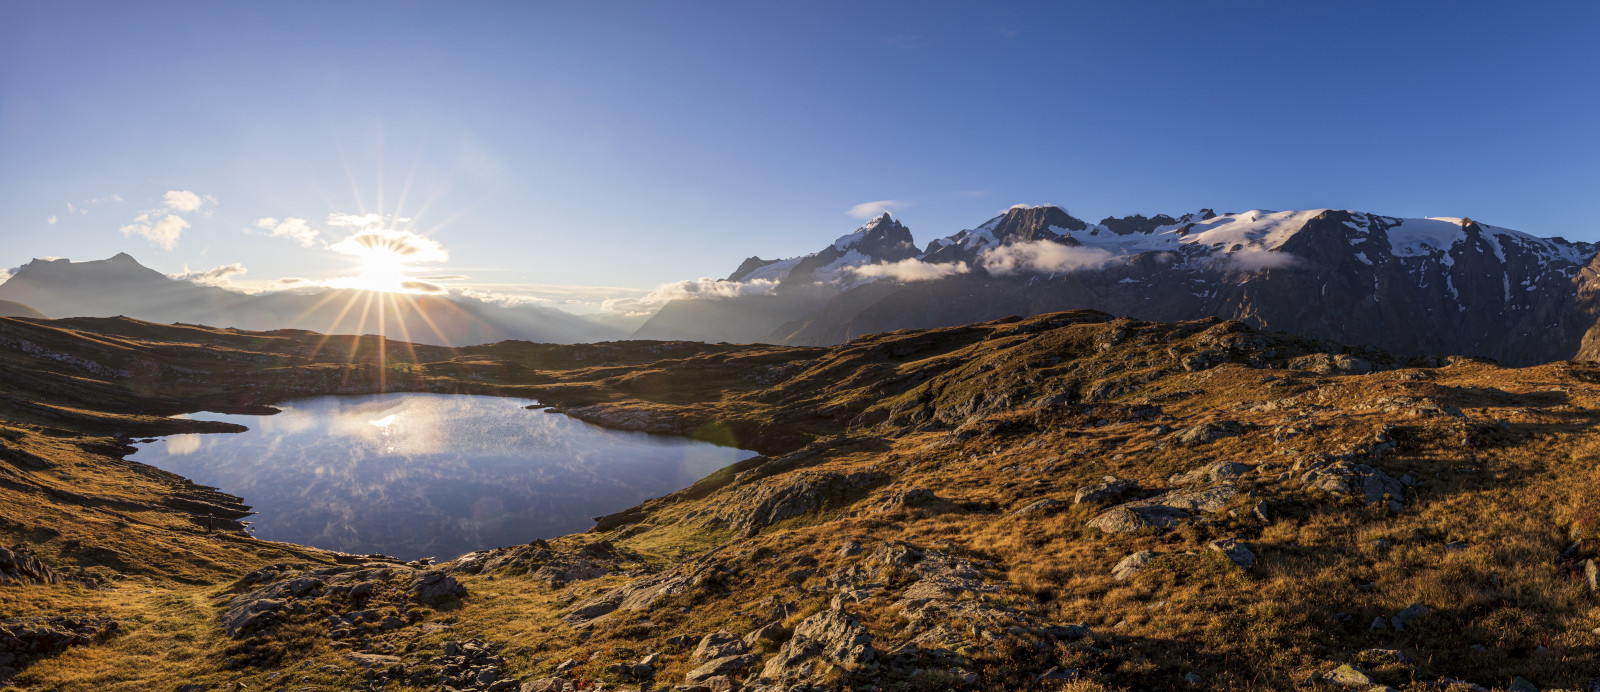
(1041, 508)
(1215, 472)
(1137, 517)
(21, 568)
(1207, 432)
(772, 632)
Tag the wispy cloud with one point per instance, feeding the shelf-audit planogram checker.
(867, 210)
(703, 288)
(163, 226)
(51, 220)
(218, 276)
(911, 269)
(1256, 260)
(365, 221)
(292, 228)
(1043, 256)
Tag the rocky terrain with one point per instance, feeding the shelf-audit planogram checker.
(1070, 501)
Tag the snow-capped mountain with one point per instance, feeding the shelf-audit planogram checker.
(1419, 286)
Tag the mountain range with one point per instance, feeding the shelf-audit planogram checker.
(1406, 285)
(1411, 286)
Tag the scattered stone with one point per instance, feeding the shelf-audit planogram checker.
(1348, 676)
(1404, 618)
(1382, 657)
(1260, 513)
(1216, 472)
(1131, 565)
(1591, 575)
(772, 632)
(1378, 623)
(1109, 488)
(1042, 507)
(850, 548)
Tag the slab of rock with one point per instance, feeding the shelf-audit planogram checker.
(772, 632)
(727, 665)
(1131, 565)
(1109, 488)
(1215, 472)
(434, 587)
(1132, 517)
(1041, 508)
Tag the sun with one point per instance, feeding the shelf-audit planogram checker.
(386, 259)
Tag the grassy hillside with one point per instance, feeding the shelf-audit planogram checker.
(1068, 501)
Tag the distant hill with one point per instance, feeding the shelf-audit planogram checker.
(13, 309)
(121, 286)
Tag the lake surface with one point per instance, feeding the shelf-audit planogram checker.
(417, 475)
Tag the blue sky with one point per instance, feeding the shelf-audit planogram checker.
(548, 145)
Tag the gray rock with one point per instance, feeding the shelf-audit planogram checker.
(1235, 551)
(1348, 676)
(549, 685)
(850, 548)
(1215, 472)
(1131, 565)
(1378, 623)
(1518, 684)
(1109, 488)
(1406, 617)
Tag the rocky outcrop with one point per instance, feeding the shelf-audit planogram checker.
(1166, 510)
(21, 568)
(791, 495)
(830, 639)
(25, 640)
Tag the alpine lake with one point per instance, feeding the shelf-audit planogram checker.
(429, 475)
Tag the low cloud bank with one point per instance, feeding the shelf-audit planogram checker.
(1042, 257)
(911, 269)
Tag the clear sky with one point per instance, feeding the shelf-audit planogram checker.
(614, 144)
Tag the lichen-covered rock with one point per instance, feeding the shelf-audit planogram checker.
(1348, 676)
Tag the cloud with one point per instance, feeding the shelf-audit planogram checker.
(218, 276)
(407, 246)
(185, 202)
(422, 286)
(1043, 256)
(105, 199)
(294, 229)
(911, 269)
(1257, 260)
(867, 210)
(163, 232)
(51, 220)
(6, 273)
(163, 225)
(444, 277)
(362, 221)
(703, 288)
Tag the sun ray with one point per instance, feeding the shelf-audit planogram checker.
(431, 324)
(334, 325)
